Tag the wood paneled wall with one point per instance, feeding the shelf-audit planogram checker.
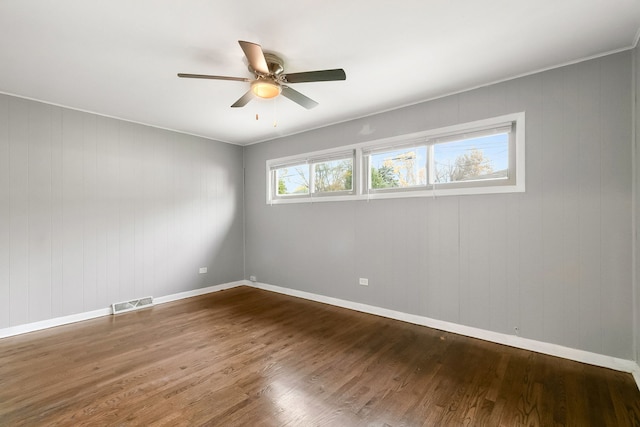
(554, 261)
(636, 284)
(95, 210)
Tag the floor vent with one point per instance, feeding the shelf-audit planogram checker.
(134, 304)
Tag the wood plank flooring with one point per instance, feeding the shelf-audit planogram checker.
(248, 357)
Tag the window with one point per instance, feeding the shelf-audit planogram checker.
(292, 180)
(477, 158)
(333, 175)
(398, 168)
(327, 175)
(486, 156)
(471, 159)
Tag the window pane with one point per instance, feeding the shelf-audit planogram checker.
(398, 168)
(292, 180)
(334, 175)
(472, 159)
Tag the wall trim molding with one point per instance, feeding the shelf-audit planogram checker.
(197, 292)
(78, 317)
(121, 119)
(51, 323)
(583, 356)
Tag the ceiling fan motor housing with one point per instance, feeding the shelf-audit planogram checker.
(274, 63)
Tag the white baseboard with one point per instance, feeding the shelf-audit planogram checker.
(196, 292)
(64, 320)
(50, 323)
(497, 337)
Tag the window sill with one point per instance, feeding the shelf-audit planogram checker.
(438, 192)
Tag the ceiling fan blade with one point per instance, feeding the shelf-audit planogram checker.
(316, 76)
(207, 76)
(244, 100)
(298, 98)
(255, 56)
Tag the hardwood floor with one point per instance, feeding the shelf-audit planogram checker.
(254, 358)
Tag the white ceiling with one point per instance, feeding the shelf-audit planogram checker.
(119, 58)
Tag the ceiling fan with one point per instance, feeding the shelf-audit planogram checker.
(269, 78)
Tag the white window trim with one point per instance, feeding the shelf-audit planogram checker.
(360, 182)
(310, 160)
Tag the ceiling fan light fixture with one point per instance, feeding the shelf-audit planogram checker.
(270, 79)
(266, 89)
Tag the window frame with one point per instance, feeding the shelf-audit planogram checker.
(361, 175)
(312, 175)
(368, 152)
(311, 161)
(507, 127)
(274, 181)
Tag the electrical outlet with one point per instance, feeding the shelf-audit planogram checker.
(364, 282)
(516, 330)
(203, 270)
(253, 278)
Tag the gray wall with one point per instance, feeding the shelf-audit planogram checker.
(554, 261)
(636, 56)
(95, 210)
